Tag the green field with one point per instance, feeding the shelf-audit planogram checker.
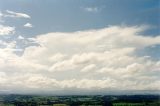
(88, 100)
(136, 104)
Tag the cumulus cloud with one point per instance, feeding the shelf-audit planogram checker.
(6, 30)
(89, 68)
(16, 14)
(28, 25)
(20, 37)
(89, 60)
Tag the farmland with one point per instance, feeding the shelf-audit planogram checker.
(77, 100)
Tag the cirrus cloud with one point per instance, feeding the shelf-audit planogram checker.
(16, 14)
(91, 9)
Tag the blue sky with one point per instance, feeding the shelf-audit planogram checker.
(70, 15)
(59, 42)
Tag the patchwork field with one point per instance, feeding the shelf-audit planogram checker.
(97, 100)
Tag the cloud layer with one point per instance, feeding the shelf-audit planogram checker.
(84, 60)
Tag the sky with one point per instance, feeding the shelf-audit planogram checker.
(79, 46)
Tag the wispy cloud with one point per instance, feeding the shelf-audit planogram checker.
(16, 14)
(1, 15)
(28, 25)
(91, 9)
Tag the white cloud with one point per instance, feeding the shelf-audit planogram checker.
(28, 25)
(91, 9)
(16, 14)
(1, 15)
(95, 60)
(6, 30)
(20, 37)
(89, 68)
